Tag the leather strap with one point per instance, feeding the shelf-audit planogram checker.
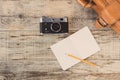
(86, 3)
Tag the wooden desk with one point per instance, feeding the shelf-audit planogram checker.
(26, 55)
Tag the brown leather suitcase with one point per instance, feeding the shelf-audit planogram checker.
(108, 11)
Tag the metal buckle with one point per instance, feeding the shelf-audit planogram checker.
(102, 22)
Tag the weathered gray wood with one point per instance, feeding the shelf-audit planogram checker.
(26, 55)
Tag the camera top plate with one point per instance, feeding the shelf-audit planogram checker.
(50, 19)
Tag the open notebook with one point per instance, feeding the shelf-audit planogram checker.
(81, 44)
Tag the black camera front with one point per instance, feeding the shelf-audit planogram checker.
(53, 25)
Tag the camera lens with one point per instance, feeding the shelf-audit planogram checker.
(61, 19)
(55, 27)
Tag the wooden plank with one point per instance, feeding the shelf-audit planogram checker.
(50, 70)
(35, 8)
(41, 64)
(28, 75)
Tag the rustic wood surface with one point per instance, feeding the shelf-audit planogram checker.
(26, 55)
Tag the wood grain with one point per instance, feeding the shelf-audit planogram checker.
(26, 55)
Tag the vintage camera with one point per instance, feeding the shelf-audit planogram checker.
(53, 25)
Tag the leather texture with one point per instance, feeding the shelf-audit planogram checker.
(108, 12)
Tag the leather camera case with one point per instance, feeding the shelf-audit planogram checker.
(108, 12)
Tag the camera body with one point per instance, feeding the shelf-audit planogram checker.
(53, 25)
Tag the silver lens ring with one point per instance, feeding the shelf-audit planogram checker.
(52, 25)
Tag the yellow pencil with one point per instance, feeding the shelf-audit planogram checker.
(85, 61)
